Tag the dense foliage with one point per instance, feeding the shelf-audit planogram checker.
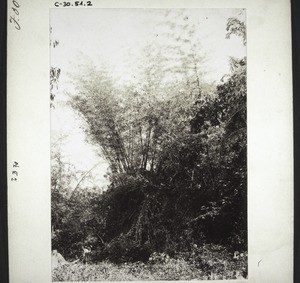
(177, 154)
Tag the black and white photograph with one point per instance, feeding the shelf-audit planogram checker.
(148, 144)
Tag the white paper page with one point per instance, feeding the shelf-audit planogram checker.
(269, 135)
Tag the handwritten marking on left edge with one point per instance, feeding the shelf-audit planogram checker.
(14, 19)
(15, 173)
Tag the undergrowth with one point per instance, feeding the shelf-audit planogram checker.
(205, 263)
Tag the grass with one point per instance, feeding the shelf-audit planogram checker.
(210, 264)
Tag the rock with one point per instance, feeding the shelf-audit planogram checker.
(57, 259)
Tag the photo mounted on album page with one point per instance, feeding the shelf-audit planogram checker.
(150, 141)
